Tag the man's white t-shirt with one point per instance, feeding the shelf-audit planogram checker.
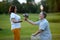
(17, 18)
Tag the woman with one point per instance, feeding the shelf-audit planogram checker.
(44, 30)
(15, 22)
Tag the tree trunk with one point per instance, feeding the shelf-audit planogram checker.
(58, 5)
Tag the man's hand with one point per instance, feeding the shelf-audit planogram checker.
(33, 35)
(25, 19)
(25, 16)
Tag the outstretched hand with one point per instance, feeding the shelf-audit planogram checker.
(33, 35)
(25, 19)
(25, 16)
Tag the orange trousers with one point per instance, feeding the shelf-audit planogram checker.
(16, 33)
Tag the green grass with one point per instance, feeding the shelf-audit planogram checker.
(27, 29)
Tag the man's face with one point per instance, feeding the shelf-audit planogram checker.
(41, 16)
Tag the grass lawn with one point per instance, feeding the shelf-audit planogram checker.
(27, 29)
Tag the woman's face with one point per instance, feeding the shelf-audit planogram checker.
(15, 9)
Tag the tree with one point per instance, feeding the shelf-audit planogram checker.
(54, 5)
(58, 5)
(4, 7)
(29, 1)
(16, 3)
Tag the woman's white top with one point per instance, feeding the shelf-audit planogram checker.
(17, 18)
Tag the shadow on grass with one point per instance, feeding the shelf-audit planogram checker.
(24, 38)
(54, 37)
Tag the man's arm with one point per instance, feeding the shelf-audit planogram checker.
(39, 31)
(31, 22)
(42, 28)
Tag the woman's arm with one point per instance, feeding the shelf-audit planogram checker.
(13, 20)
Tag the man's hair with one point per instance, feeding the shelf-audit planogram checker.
(44, 13)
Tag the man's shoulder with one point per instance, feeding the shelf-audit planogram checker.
(45, 21)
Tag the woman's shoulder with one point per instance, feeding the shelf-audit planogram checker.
(13, 14)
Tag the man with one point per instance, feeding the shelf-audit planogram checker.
(44, 30)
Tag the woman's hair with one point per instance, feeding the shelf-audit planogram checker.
(12, 9)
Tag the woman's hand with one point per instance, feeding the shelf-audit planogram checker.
(20, 21)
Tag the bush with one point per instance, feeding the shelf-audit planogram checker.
(54, 20)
